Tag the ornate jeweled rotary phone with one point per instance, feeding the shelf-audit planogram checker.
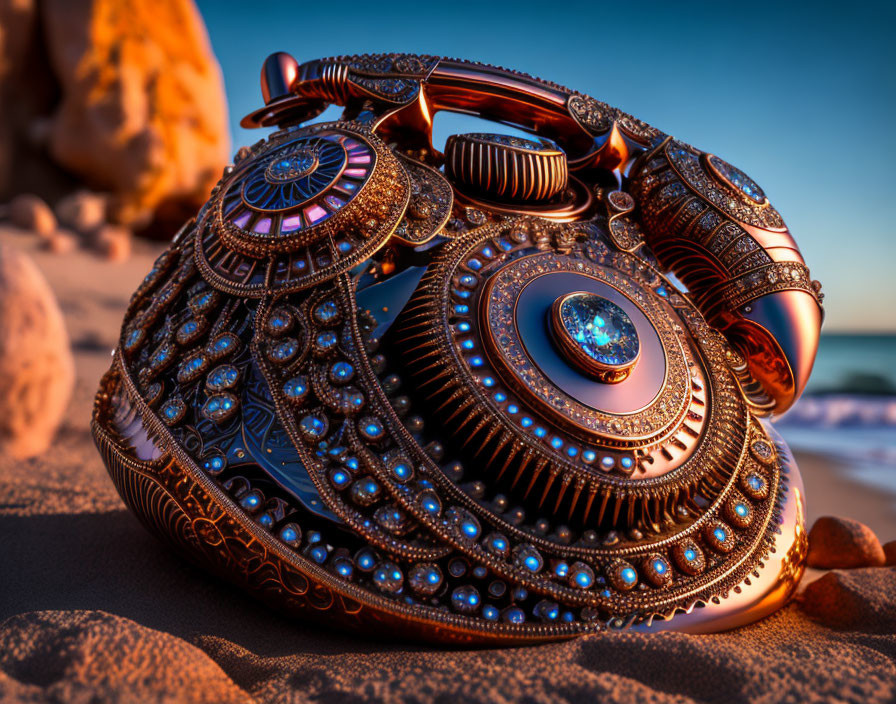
(453, 396)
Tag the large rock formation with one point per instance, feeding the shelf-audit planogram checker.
(123, 96)
(37, 370)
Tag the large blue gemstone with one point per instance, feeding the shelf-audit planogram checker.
(600, 329)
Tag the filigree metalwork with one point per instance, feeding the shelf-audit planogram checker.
(338, 387)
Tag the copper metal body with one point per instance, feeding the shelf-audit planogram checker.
(454, 394)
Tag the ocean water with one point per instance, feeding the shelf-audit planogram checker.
(855, 363)
(848, 411)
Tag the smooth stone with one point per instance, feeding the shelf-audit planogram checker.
(30, 212)
(82, 211)
(36, 364)
(836, 542)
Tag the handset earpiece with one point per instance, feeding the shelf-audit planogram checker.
(714, 227)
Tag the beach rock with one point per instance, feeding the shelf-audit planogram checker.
(112, 242)
(836, 542)
(890, 552)
(124, 98)
(61, 242)
(142, 113)
(30, 212)
(36, 364)
(93, 656)
(856, 599)
(82, 211)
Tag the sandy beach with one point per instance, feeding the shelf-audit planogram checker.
(92, 608)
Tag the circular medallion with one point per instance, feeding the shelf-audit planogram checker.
(311, 204)
(595, 335)
(300, 185)
(322, 183)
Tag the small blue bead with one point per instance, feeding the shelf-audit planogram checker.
(490, 613)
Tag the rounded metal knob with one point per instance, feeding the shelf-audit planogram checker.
(277, 75)
(505, 168)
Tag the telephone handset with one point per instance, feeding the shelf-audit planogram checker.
(706, 221)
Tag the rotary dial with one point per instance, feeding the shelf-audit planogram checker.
(506, 169)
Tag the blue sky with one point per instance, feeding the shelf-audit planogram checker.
(801, 97)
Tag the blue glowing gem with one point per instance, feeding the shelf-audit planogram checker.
(319, 554)
(547, 611)
(497, 543)
(425, 579)
(339, 478)
(430, 502)
(223, 377)
(326, 340)
(513, 614)
(388, 577)
(290, 534)
(326, 312)
(296, 388)
(720, 534)
(365, 559)
(690, 555)
(526, 556)
(214, 464)
(595, 333)
(465, 600)
(581, 575)
(342, 371)
(313, 426)
(401, 470)
(344, 567)
(628, 575)
(371, 428)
